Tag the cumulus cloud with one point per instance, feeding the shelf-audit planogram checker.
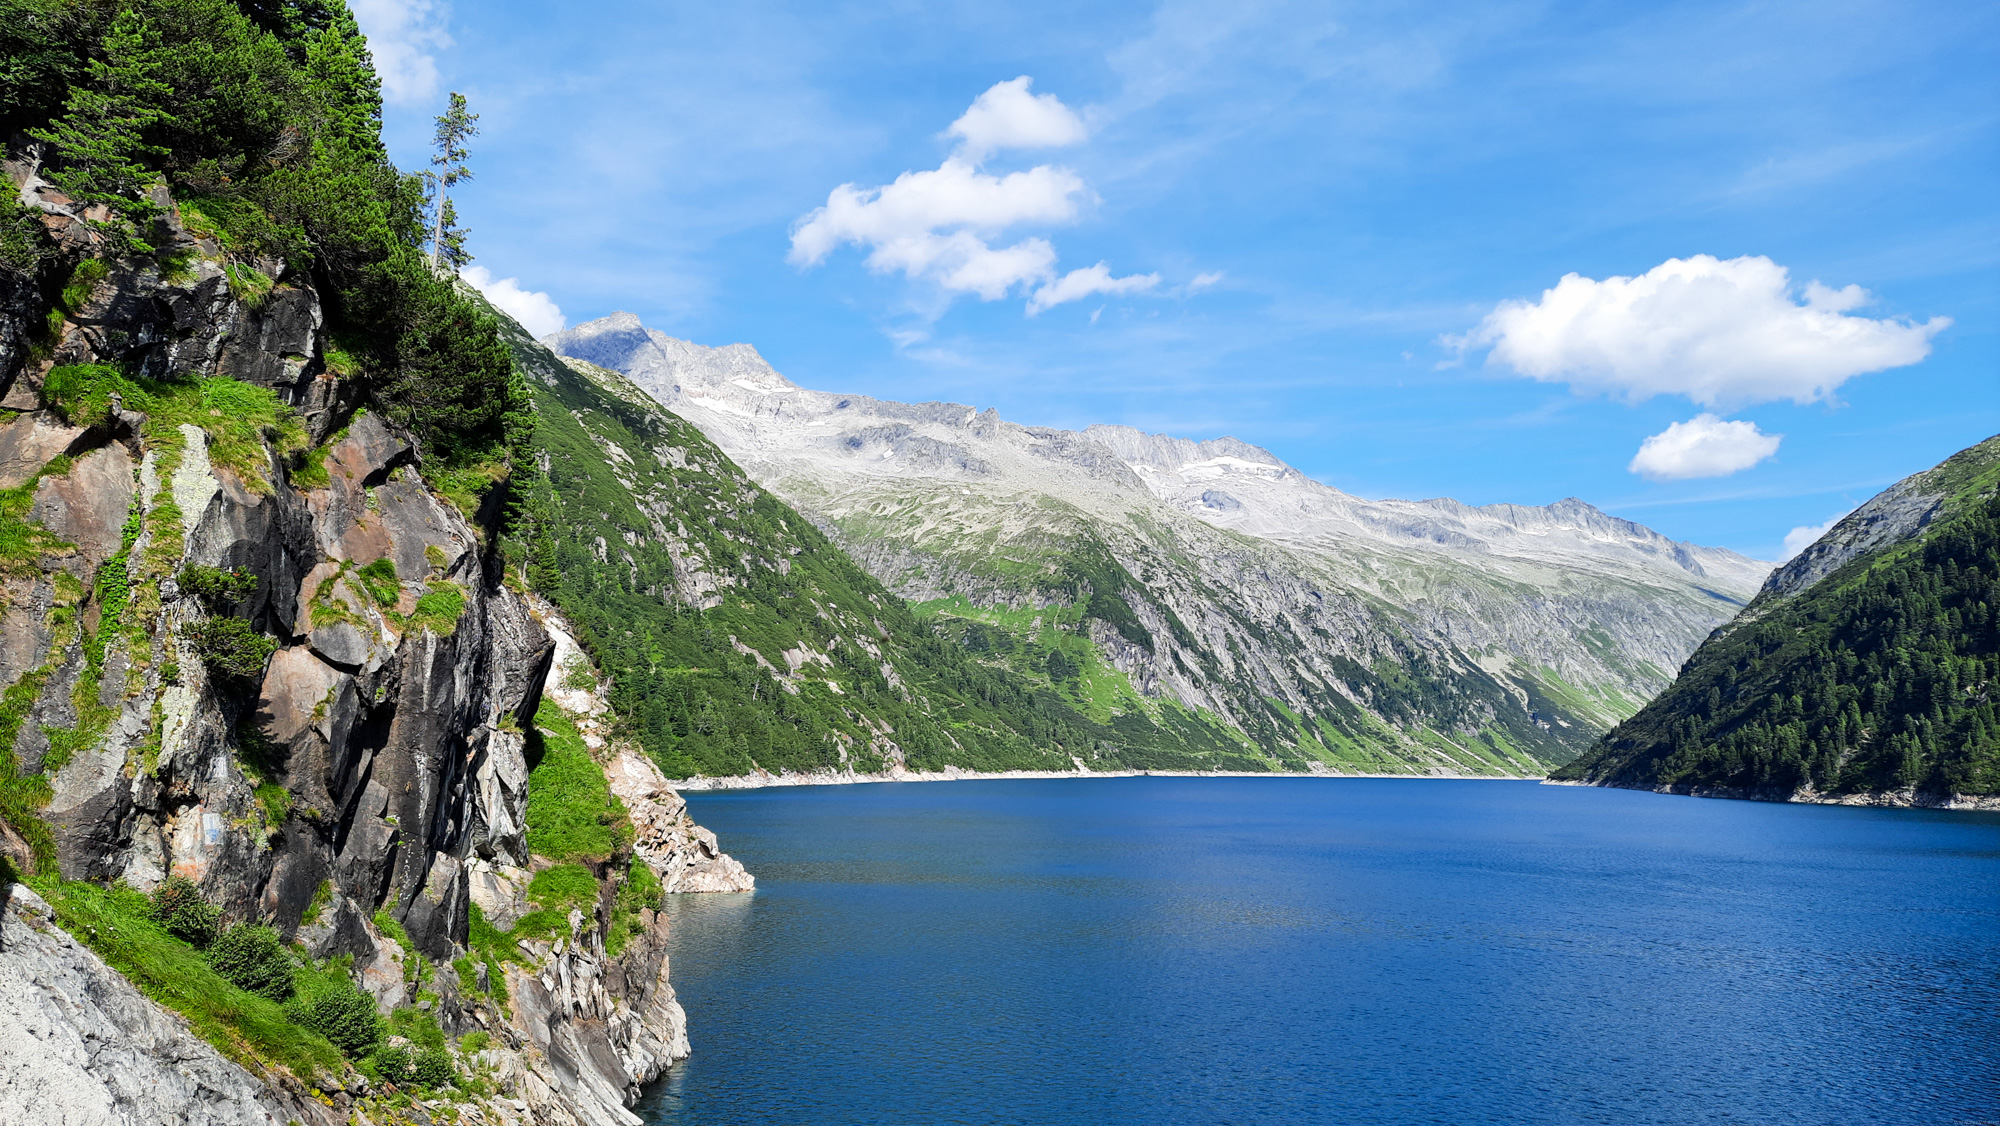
(1803, 536)
(901, 223)
(1204, 280)
(536, 311)
(1725, 333)
(1079, 284)
(1703, 446)
(942, 225)
(404, 36)
(1006, 116)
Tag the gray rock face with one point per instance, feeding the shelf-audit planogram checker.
(81, 1046)
(1900, 512)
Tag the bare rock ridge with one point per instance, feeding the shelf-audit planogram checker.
(360, 790)
(1255, 593)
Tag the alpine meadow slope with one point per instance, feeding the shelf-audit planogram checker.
(1864, 671)
(1149, 579)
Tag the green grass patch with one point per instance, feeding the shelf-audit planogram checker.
(572, 814)
(379, 579)
(439, 608)
(252, 1030)
(236, 416)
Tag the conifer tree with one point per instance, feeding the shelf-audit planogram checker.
(455, 126)
(99, 142)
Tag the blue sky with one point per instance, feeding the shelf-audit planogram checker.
(1335, 223)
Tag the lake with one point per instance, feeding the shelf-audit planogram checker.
(1315, 950)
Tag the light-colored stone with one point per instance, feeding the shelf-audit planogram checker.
(80, 1046)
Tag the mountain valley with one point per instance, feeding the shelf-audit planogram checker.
(1210, 583)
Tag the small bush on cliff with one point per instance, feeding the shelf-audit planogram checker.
(219, 590)
(230, 647)
(179, 906)
(336, 1008)
(253, 958)
(416, 1054)
(409, 1066)
(641, 891)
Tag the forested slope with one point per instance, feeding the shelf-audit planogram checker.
(1870, 666)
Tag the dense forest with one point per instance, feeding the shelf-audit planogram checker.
(1882, 676)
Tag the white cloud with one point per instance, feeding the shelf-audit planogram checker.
(1204, 280)
(1079, 284)
(1006, 116)
(536, 311)
(1724, 333)
(941, 225)
(1803, 536)
(1703, 446)
(404, 36)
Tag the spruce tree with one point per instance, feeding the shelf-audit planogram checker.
(455, 126)
(99, 142)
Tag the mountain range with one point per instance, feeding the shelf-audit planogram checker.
(1209, 582)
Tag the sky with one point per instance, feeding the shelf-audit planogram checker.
(1725, 269)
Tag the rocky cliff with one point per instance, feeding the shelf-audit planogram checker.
(252, 638)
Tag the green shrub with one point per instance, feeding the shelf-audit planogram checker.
(180, 908)
(253, 958)
(409, 1066)
(338, 1010)
(229, 647)
(641, 890)
(322, 895)
(219, 590)
(82, 283)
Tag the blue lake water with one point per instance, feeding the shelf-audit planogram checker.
(1234, 951)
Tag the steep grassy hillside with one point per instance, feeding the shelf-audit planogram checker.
(1868, 666)
(737, 637)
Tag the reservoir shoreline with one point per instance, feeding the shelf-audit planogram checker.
(764, 780)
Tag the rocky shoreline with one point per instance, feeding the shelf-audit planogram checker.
(1881, 799)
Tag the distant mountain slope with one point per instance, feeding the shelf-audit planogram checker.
(737, 638)
(1867, 669)
(1323, 627)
